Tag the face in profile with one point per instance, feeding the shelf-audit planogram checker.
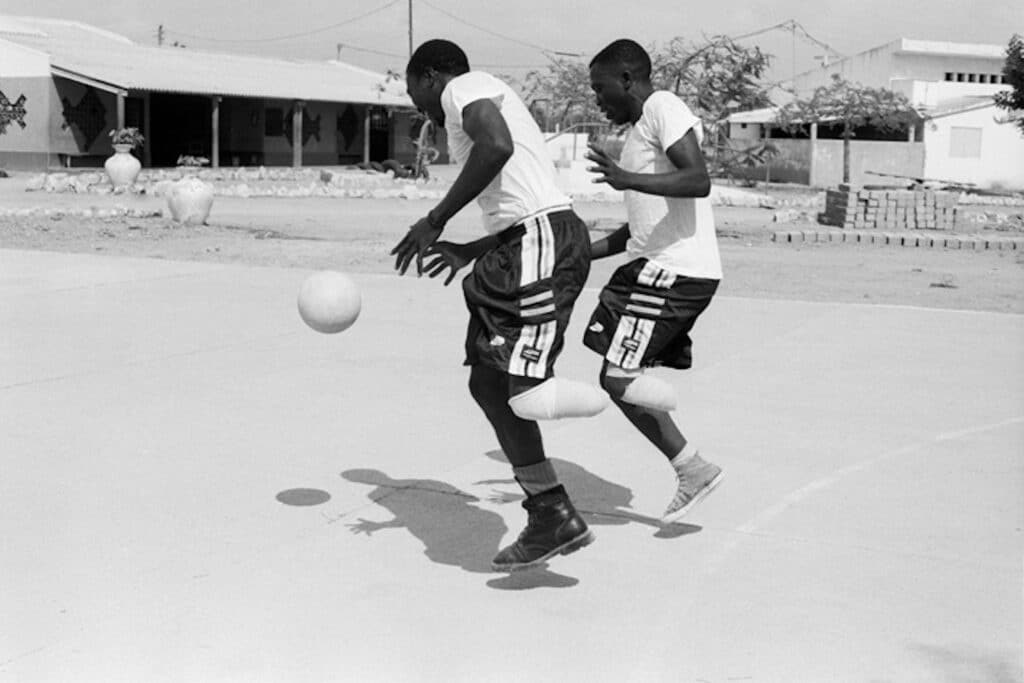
(610, 90)
(425, 95)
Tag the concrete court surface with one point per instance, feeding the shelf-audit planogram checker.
(196, 487)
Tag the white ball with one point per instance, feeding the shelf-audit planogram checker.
(329, 301)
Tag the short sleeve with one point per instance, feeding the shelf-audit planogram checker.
(670, 119)
(466, 89)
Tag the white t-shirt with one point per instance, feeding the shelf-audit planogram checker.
(526, 184)
(677, 233)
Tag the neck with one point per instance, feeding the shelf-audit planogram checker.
(639, 94)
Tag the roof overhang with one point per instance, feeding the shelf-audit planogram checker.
(85, 80)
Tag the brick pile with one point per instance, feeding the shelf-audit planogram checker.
(890, 209)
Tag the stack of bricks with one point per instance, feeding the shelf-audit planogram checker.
(890, 209)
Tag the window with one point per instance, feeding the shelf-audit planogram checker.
(949, 75)
(964, 142)
(971, 78)
(982, 78)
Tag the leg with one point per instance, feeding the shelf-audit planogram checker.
(657, 425)
(695, 477)
(520, 439)
(553, 527)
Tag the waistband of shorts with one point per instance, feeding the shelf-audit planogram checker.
(520, 227)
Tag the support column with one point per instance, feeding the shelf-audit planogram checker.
(120, 108)
(366, 135)
(300, 107)
(814, 154)
(767, 157)
(215, 127)
(147, 130)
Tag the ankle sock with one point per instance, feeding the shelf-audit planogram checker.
(536, 478)
(684, 456)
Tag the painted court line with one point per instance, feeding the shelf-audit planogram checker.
(770, 513)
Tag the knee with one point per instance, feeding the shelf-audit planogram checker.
(615, 386)
(489, 389)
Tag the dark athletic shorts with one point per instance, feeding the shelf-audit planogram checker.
(521, 293)
(645, 314)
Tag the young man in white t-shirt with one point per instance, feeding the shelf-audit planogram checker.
(527, 274)
(649, 306)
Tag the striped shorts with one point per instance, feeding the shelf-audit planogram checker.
(644, 316)
(521, 293)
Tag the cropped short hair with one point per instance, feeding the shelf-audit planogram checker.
(442, 56)
(627, 53)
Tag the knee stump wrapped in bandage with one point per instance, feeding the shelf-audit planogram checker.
(558, 398)
(650, 392)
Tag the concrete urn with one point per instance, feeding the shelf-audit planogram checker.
(122, 168)
(190, 200)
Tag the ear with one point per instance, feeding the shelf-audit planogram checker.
(627, 79)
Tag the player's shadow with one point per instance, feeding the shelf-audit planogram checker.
(599, 501)
(453, 530)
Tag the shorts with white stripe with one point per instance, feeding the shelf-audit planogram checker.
(521, 293)
(645, 314)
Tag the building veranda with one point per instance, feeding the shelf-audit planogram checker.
(65, 85)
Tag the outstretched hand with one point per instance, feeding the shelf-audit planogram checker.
(606, 169)
(447, 255)
(421, 235)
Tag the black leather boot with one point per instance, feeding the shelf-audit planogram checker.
(553, 527)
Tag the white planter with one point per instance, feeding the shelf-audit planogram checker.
(190, 200)
(122, 168)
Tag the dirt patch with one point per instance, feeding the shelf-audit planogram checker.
(356, 235)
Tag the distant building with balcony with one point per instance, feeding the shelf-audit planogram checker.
(962, 136)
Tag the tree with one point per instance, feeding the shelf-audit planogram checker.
(715, 78)
(559, 94)
(850, 106)
(1013, 71)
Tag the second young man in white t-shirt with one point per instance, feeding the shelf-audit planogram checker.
(648, 308)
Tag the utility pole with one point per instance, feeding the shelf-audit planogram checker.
(160, 35)
(410, 28)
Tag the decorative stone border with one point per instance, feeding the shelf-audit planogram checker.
(87, 212)
(902, 239)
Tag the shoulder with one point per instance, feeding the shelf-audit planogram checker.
(662, 102)
(473, 83)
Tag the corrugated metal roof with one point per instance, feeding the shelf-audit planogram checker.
(107, 57)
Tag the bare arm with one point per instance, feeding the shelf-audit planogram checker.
(689, 179)
(611, 244)
(492, 148)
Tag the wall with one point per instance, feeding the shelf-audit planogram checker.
(25, 72)
(319, 132)
(242, 124)
(897, 158)
(931, 94)
(81, 118)
(1001, 161)
(793, 163)
(881, 66)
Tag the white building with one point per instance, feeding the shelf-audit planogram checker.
(965, 137)
(64, 85)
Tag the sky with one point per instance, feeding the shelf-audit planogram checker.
(513, 37)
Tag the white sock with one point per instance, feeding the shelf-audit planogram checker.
(557, 398)
(684, 456)
(650, 392)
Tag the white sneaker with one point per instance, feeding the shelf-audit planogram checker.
(696, 478)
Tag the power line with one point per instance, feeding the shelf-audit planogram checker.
(291, 35)
(496, 34)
